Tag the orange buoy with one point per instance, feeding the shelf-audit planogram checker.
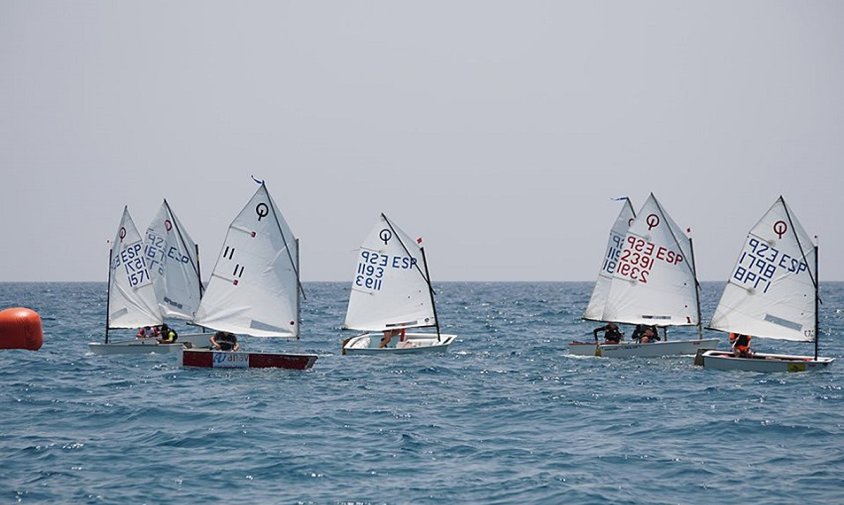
(20, 328)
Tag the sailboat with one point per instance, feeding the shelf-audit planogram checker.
(254, 289)
(131, 300)
(173, 261)
(771, 293)
(391, 293)
(654, 283)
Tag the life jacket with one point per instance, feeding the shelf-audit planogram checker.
(169, 336)
(740, 342)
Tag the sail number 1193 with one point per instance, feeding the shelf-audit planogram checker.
(372, 267)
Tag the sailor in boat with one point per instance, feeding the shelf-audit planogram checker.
(612, 335)
(388, 337)
(225, 341)
(167, 335)
(741, 345)
(645, 333)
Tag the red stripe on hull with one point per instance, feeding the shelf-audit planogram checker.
(197, 358)
(292, 361)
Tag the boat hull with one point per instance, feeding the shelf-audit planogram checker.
(724, 360)
(649, 350)
(205, 358)
(137, 346)
(196, 340)
(415, 343)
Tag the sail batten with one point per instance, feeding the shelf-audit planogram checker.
(389, 288)
(771, 292)
(654, 281)
(253, 289)
(132, 302)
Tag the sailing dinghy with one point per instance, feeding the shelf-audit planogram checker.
(772, 293)
(131, 300)
(254, 289)
(653, 283)
(173, 261)
(391, 293)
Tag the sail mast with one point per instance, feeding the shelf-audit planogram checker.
(108, 290)
(298, 294)
(817, 300)
(198, 271)
(697, 290)
(431, 292)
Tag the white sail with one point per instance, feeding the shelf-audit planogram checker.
(131, 296)
(595, 309)
(654, 281)
(389, 287)
(254, 287)
(170, 255)
(771, 291)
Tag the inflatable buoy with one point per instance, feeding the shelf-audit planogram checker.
(20, 328)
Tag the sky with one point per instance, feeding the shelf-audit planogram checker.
(499, 131)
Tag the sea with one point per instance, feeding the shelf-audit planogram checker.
(506, 416)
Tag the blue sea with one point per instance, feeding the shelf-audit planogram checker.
(504, 417)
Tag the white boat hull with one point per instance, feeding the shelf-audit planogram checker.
(724, 360)
(136, 346)
(415, 343)
(650, 350)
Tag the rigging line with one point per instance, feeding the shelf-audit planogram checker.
(800, 245)
(677, 242)
(184, 244)
(284, 239)
(406, 250)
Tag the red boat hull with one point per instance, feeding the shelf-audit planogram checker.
(222, 359)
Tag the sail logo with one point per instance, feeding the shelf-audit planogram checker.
(230, 360)
(262, 210)
(652, 221)
(780, 228)
(385, 236)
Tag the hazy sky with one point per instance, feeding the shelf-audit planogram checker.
(498, 131)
